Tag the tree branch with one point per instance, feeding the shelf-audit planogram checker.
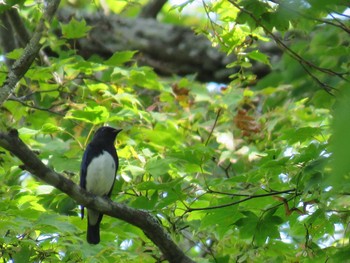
(21, 66)
(213, 127)
(50, 110)
(139, 218)
(7, 37)
(152, 8)
(18, 26)
(249, 197)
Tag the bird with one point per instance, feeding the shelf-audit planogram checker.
(97, 174)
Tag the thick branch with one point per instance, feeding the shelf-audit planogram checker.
(18, 26)
(21, 66)
(152, 8)
(142, 219)
(169, 49)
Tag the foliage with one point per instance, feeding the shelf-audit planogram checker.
(252, 171)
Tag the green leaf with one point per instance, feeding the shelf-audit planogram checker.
(49, 128)
(135, 170)
(340, 142)
(300, 134)
(255, 10)
(311, 152)
(15, 54)
(9, 4)
(75, 29)
(95, 115)
(256, 55)
(247, 224)
(22, 254)
(150, 185)
(55, 222)
(145, 77)
(142, 202)
(170, 198)
(280, 19)
(119, 58)
(220, 219)
(341, 254)
(158, 167)
(96, 86)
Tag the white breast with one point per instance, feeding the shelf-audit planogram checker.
(100, 174)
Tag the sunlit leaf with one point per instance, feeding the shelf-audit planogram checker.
(50, 128)
(94, 115)
(119, 58)
(75, 29)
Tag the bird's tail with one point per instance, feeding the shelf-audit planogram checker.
(93, 234)
(93, 227)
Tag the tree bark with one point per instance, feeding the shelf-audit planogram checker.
(152, 8)
(169, 49)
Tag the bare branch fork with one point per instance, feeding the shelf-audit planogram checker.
(139, 218)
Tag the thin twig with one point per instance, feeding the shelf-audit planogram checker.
(325, 86)
(213, 127)
(12, 98)
(189, 209)
(213, 24)
(27, 96)
(339, 14)
(210, 191)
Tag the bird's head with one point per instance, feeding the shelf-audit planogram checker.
(106, 133)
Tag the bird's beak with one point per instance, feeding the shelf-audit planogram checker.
(116, 131)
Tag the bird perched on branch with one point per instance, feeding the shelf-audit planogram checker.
(97, 174)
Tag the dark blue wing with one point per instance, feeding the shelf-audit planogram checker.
(87, 157)
(83, 168)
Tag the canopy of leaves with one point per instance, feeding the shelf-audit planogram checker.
(248, 171)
